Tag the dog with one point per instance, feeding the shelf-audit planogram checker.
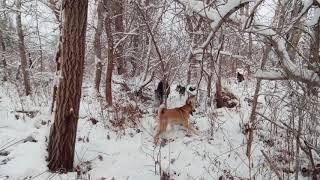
(179, 115)
(162, 89)
(181, 90)
(240, 77)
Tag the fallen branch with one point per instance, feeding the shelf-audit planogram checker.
(123, 84)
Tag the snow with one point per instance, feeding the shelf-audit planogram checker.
(289, 66)
(127, 154)
(315, 18)
(270, 75)
(216, 15)
(97, 60)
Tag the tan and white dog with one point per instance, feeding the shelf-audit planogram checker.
(178, 115)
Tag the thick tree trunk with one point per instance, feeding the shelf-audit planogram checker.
(110, 56)
(315, 44)
(63, 131)
(22, 51)
(119, 29)
(97, 44)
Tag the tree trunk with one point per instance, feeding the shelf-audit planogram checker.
(97, 45)
(315, 44)
(4, 62)
(110, 55)
(63, 131)
(219, 85)
(119, 29)
(58, 67)
(22, 51)
(253, 117)
(40, 40)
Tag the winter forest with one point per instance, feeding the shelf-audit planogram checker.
(159, 89)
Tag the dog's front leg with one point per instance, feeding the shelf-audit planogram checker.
(189, 128)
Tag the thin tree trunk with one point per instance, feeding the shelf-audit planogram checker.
(63, 131)
(4, 62)
(22, 51)
(97, 45)
(119, 29)
(315, 44)
(297, 167)
(110, 55)
(252, 120)
(148, 60)
(40, 41)
(218, 84)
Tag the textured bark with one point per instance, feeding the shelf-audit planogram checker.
(192, 74)
(296, 34)
(110, 55)
(3, 58)
(58, 66)
(315, 45)
(55, 7)
(97, 45)
(218, 84)
(63, 131)
(22, 51)
(119, 29)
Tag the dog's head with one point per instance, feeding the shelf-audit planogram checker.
(192, 101)
(178, 88)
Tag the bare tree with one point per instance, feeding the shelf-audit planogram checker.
(108, 27)
(22, 51)
(97, 44)
(118, 11)
(3, 58)
(63, 131)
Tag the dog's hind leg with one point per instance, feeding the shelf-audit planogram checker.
(162, 128)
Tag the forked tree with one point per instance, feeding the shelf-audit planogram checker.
(63, 131)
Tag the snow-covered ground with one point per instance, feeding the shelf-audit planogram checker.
(130, 153)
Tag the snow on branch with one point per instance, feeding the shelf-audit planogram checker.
(270, 75)
(290, 67)
(217, 15)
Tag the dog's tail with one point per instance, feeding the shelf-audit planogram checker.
(161, 109)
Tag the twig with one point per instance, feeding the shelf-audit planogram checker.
(273, 166)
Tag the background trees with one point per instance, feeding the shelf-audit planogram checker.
(132, 45)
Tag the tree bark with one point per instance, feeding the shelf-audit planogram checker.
(40, 40)
(253, 117)
(58, 67)
(110, 54)
(22, 51)
(4, 62)
(218, 84)
(119, 29)
(97, 45)
(63, 131)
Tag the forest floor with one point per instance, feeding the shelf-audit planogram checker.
(104, 152)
